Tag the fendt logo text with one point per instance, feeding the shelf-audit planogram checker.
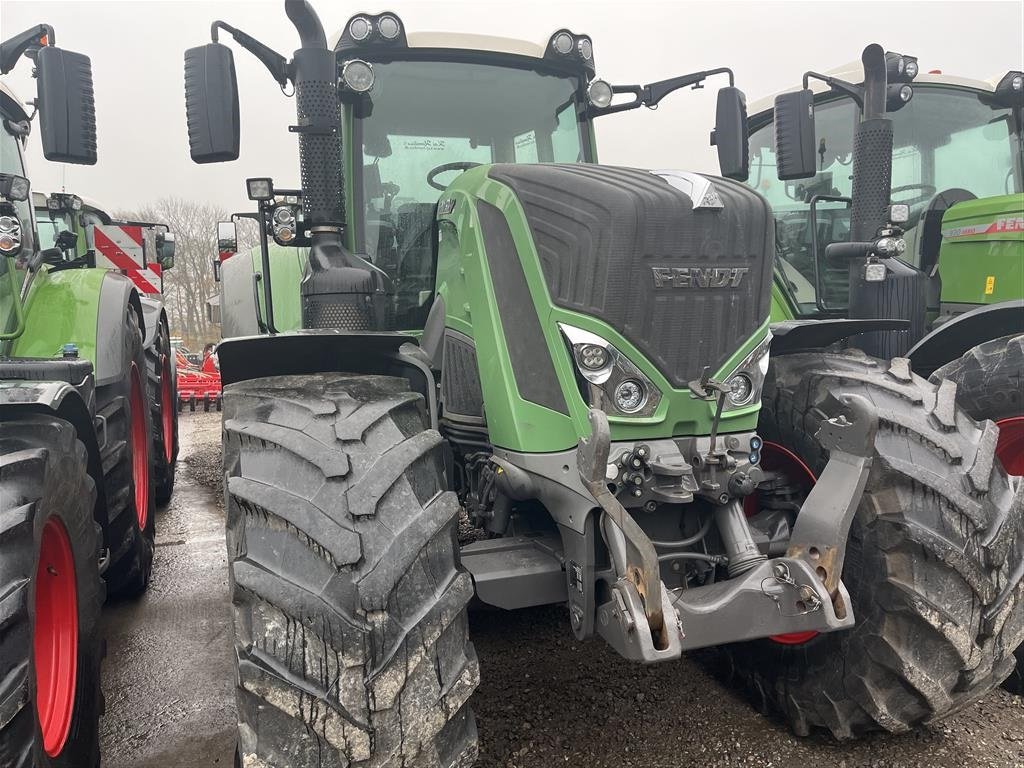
(698, 277)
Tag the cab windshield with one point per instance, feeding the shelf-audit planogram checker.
(944, 139)
(50, 224)
(424, 116)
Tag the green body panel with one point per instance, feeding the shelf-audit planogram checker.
(781, 308)
(981, 259)
(286, 266)
(464, 282)
(61, 308)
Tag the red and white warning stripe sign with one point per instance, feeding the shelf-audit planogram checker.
(125, 248)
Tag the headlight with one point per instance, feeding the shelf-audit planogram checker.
(562, 43)
(586, 49)
(357, 75)
(10, 235)
(608, 379)
(630, 396)
(910, 68)
(599, 93)
(746, 379)
(741, 389)
(359, 28)
(389, 27)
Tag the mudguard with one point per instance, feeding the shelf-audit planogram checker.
(953, 338)
(153, 313)
(83, 307)
(307, 352)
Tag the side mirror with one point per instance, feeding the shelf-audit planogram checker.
(227, 239)
(794, 135)
(67, 109)
(213, 310)
(731, 135)
(211, 103)
(165, 251)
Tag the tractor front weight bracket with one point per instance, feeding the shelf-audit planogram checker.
(633, 555)
(823, 523)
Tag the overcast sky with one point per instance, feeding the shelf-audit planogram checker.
(136, 50)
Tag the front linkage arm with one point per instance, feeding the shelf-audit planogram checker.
(633, 555)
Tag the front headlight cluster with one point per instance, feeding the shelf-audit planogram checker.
(611, 381)
(747, 379)
(10, 235)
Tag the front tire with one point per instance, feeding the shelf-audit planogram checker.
(127, 461)
(351, 636)
(50, 598)
(932, 563)
(990, 385)
(163, 399)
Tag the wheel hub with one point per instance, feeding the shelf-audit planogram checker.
(55, 636)
(1010, 448)
(140, 448)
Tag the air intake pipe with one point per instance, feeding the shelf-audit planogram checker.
(339, 289)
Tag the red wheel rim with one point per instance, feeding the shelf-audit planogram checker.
(778, 458)
(140, 449)
(56, 636)
(1010, 448)
(167, 408)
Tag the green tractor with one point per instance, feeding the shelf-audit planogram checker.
(76, 498)
(574, 358)
(948, 153)
(84, 235)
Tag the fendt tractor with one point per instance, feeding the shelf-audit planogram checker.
(76, 501)
(87, 236)
(950, 271)
(577, 356)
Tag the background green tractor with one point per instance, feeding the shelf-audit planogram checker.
(78, 233)
(76, 501)
(577, 357)
(949, 153)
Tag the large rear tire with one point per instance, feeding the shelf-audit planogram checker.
(163, 398)
(127, 465)
(51, 594)
(933, 562)
(990, 385)
(349, 601)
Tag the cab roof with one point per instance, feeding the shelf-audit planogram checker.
(854, 72)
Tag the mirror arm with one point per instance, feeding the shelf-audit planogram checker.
(855, 92)
(649, 95)
(30, 39)
(272, 60)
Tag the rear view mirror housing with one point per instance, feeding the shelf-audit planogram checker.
(794, 135)
(67, 107)
(211, 103)
(731, 135)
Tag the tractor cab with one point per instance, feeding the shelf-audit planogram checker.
(417, 109)
(953, 140)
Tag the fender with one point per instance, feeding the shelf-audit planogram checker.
(791, 336)
(84, 307)
(953, 338)
(153, 314)
(308, 352)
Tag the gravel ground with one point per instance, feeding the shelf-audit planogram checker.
(546, 700)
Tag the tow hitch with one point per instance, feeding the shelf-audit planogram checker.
(800, 592)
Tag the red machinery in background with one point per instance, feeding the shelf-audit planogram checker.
(198, 383)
